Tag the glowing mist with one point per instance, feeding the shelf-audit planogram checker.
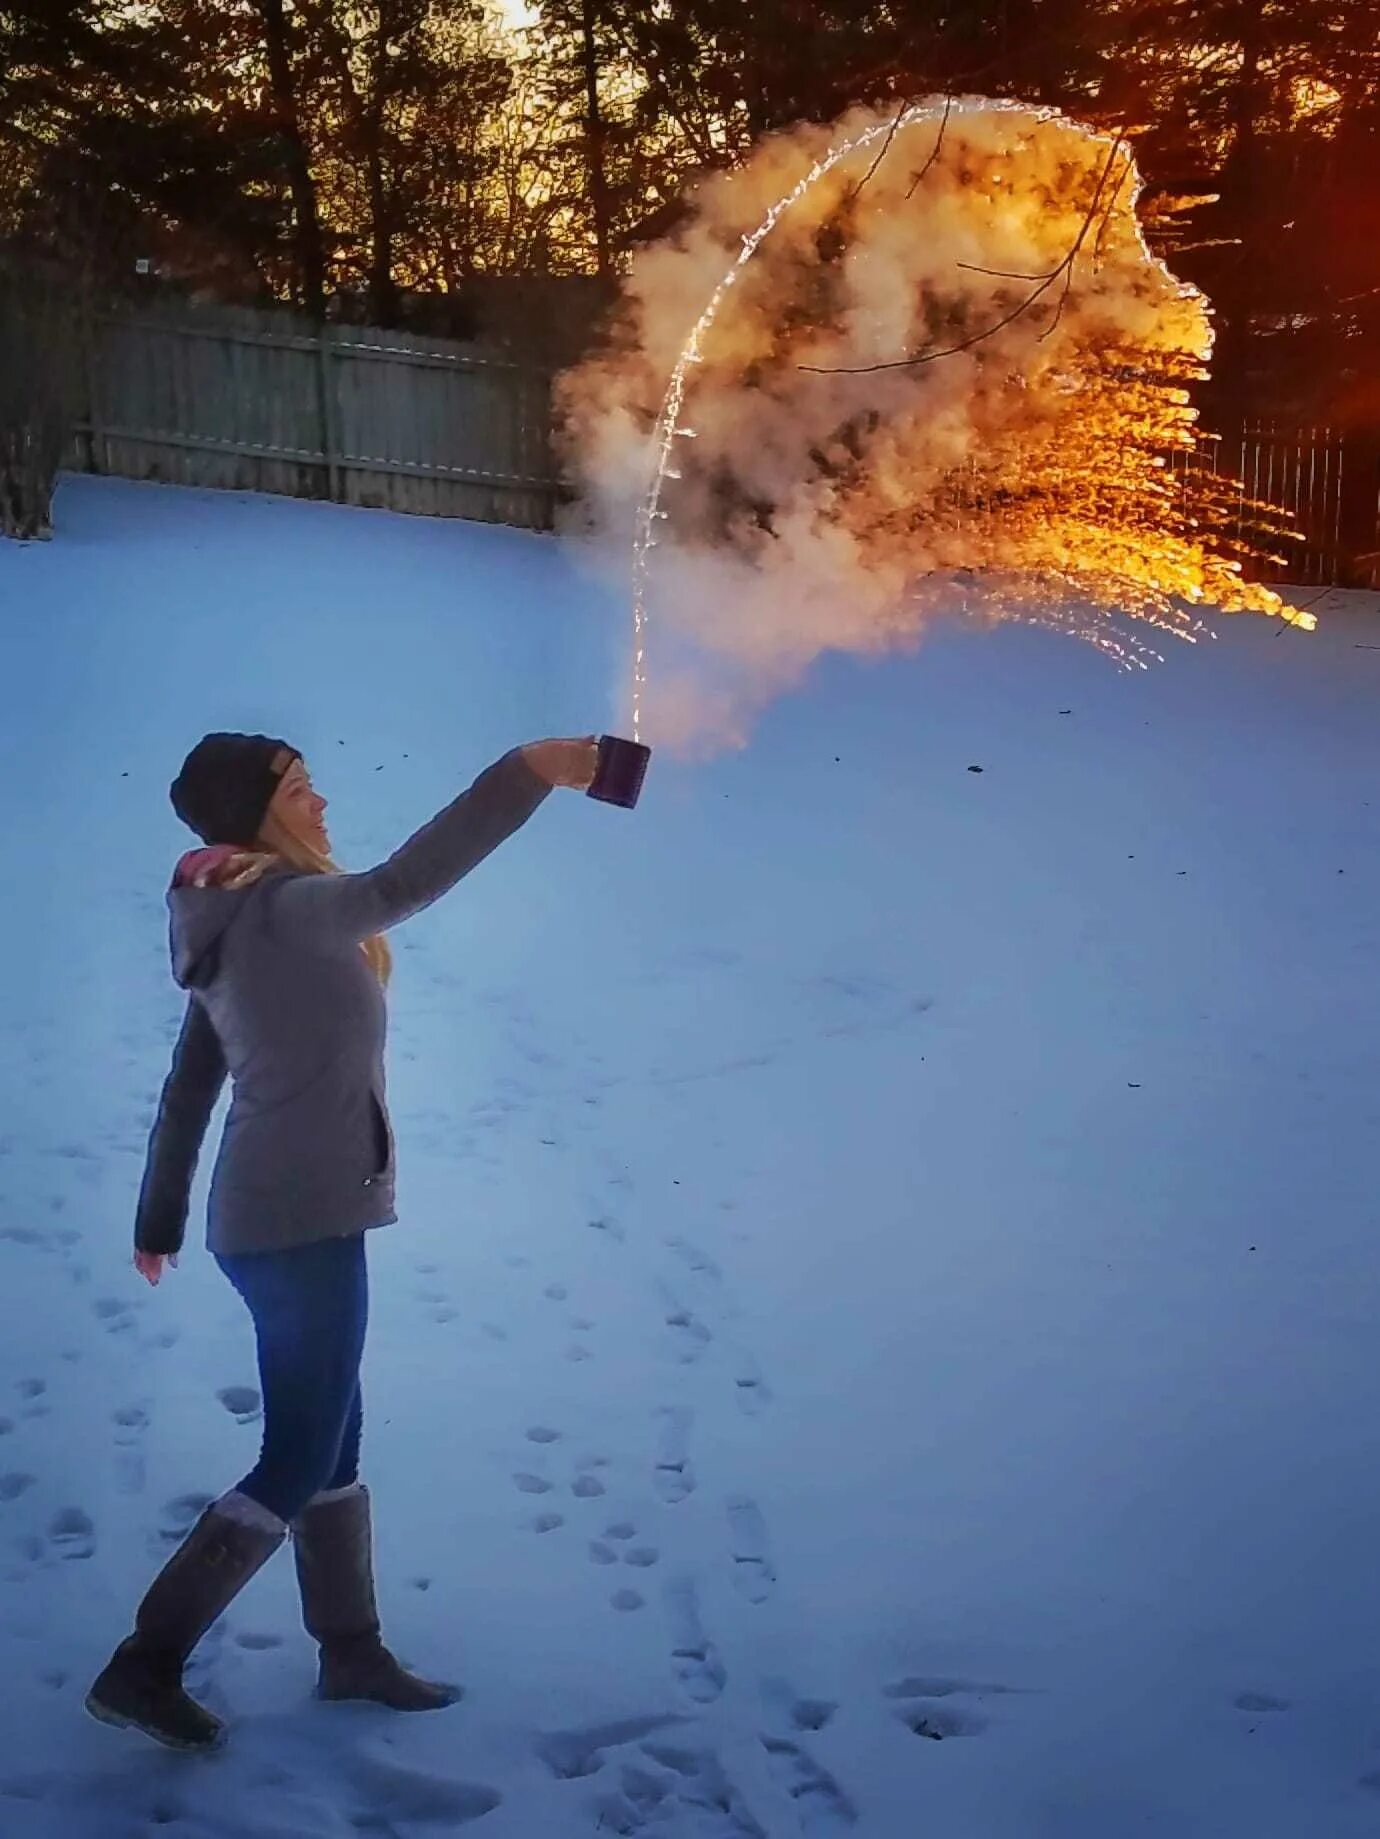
(957, 388)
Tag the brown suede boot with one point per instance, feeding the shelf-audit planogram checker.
(141, 1684)
(333, 1545)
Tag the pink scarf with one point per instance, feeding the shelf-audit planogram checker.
(201, 868)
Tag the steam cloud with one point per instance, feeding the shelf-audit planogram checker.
(824, 489)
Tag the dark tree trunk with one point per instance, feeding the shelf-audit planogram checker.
(1241, 209)
(383, 294)
(595, 138)
(39, 393)
(311, 265)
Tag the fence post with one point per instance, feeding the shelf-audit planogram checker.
(100, 441)
(330, 445)
(1357, 510)
(539, 448)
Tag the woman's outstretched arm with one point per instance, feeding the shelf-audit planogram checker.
(345, 909)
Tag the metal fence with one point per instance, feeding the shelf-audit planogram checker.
(1328, 484)
(261, 400)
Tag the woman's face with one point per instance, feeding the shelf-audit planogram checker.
(299, 809)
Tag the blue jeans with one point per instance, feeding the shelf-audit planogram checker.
(310, 1306)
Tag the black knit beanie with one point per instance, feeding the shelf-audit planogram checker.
(227, 783)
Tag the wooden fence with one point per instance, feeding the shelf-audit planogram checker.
(261, 400)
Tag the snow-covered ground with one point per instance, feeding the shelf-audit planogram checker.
(884, 1331)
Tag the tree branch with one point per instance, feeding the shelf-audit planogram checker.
(934, 151)
(1007, 274)
(1065, 267)
(850, 197)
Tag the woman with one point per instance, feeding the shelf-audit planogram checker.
(286, 965)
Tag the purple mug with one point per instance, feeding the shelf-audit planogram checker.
(622, 768)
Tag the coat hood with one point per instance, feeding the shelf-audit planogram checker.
(202, 909)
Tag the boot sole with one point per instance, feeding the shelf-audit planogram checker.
(120, 1720)
(374, 1698)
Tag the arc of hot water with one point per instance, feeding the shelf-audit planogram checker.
(668, 428)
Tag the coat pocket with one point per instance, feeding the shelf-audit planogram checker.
(382, 1137)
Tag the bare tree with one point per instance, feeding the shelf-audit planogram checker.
(278, 49)
(40, 392)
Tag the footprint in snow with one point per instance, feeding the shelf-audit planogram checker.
(242, 1402)
(72, 1533)
(694, 1785)
(940, 1721)
(673, 1478)
(1259, 1701)
(697, 1260)
(753, 1392)
(22, 1235)
(754, 1574)
(416, 1798)
(786, 1707)
(178, 1517)
(28, 1550)
(928, 1709)
(610, 1228)
(117, 1314)
(131, 1467)
(695, 1662)
(812, 1714)
(822, 1805)
(689, 1335)
(643, 1801)
(574, 1755)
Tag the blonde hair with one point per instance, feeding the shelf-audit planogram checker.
(247, 866)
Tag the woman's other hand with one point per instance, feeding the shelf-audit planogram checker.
(150, 1264)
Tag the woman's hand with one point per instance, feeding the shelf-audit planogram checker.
(571, 763)
(150, 1264)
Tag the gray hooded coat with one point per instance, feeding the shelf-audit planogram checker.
(283, 1000)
